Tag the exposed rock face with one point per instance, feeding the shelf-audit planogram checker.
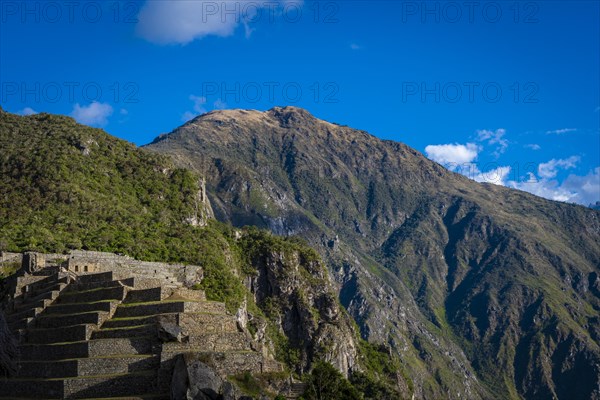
(194, 380)
(308, 314)
(485, 292)
(8, 350)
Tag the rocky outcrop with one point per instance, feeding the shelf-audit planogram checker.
(194, 380)
(295, 292)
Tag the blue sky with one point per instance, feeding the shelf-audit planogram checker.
(501, 91)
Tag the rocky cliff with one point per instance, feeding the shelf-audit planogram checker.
(485, 292)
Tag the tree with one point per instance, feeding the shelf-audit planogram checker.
(327, 383)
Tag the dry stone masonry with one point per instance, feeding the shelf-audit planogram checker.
(100, 325)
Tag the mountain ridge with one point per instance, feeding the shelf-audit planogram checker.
(446, 269)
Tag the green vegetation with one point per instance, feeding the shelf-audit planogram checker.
(326, 383)
(7, 269)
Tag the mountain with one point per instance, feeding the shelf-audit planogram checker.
(484, 292)
(67, 186)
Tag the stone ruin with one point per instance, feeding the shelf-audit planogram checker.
(101, 325)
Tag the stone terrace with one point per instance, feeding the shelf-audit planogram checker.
(96, 335)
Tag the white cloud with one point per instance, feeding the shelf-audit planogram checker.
(533, 146)
(355, 46)
(183, 21)
(494, 138)
(123, 111)
(452, 155)
(497, 176)
(550, 169)
(583, 190)
(27, 111)
(94, 114)
(200, 107)
(560, 131)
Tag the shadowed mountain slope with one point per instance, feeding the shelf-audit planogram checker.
(484, 291)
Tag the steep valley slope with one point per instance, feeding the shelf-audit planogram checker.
(483, 291)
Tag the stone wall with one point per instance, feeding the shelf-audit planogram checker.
(7, 257)
(80, 261)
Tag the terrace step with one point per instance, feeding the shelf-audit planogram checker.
(42, 283)
(126, 332)
(91, 348)
(51, 295)
(57, 285)
(201, 322)
(87, 366)
(78, 308)
(20, 324)
(100, 277)
(130, 384)
(78, 286)
(214, 342)
(26, 313)
(87, 296)
(57, 320)
(168, 307)
(66, 334)
(144, 295)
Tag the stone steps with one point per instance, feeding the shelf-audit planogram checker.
(66, 334)
(125, 332)
(91, 348)
(111, 293)
(168, 307)
(130, 384)
(297, 389)
(121, 364)
(78, 308)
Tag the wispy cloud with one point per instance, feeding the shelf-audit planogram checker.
(95, 114)
(560, 131)
(494, 138)
(220, 104)
(550, 169)
(200, 107)
(183, 21)
(533, 146)
(355, 46)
